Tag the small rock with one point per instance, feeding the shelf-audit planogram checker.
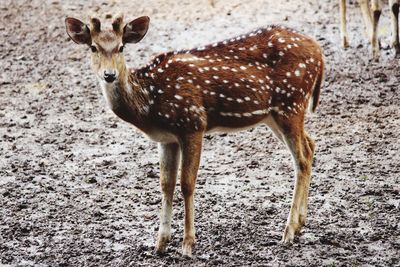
(90, 180)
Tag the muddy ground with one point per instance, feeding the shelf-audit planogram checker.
(79, 187)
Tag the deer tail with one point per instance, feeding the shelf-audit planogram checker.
(314, 101)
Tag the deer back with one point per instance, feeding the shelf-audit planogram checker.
(235, 83)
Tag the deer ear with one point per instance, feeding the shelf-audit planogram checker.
(78, 31)
(135, 30)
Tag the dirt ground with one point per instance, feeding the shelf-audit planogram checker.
(79, 187)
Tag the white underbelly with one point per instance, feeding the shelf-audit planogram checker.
(161, 136)
(220, 129)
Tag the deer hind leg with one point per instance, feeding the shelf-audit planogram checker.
(191, 146)
(169, 159)
(343, 24)
(301, 147)
(366, 13)
(394, 7)
(376, 8)
(308, 153)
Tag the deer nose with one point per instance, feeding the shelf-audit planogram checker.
(109, 75)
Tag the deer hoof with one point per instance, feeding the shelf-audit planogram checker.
(161, 245)
(290, 232)
(187, 246)
(375, 54)
(345, 43)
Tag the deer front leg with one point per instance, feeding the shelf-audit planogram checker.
(394, 7)
(191, 146)
(169, 159)
(343, 24)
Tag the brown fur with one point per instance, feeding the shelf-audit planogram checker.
(180, 72)
(267, 76)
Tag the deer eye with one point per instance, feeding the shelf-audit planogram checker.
(121, 49)
(93, 48)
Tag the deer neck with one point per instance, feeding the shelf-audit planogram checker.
(127, 98)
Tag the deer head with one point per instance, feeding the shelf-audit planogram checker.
(107, 46)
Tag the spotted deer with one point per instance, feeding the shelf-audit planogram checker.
(268, 76)
(371, 13)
